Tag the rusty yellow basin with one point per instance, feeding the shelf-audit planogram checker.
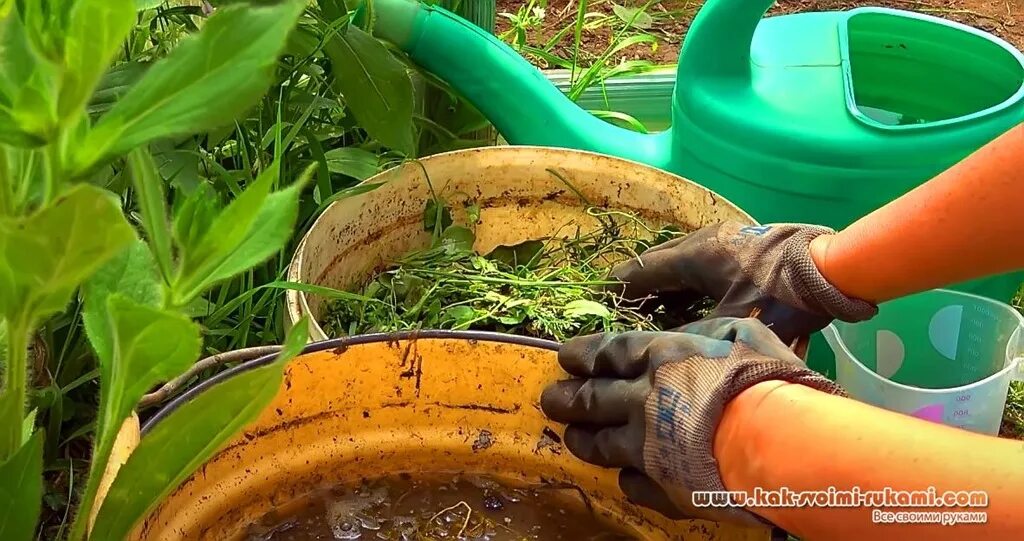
(376, 405)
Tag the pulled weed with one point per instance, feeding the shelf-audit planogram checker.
(553, 288)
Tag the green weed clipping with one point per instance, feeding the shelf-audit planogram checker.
(554, 288)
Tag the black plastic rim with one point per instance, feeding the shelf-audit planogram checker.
(481, 336)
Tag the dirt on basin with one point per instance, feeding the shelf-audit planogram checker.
(670, 19)
(437, 507)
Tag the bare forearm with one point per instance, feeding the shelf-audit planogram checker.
(963, 224)
(785, 435)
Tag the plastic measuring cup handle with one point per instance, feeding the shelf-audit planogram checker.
(1017, 369)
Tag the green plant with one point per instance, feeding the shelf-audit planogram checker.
(525, 18)
(317, 116)
(61, 229)
(1013, 417)
(302, 120)
(588, 70)
(602, 68)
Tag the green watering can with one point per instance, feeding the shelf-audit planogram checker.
(815, 117)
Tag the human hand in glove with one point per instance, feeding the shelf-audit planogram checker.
(650, 402)
(752, 271)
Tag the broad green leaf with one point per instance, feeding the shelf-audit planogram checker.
(178, 164)
(25, 172)
(637, 16)
(149, 188)
(515, 319)
(115, 83)
(460, 315)
(45, 256)
(16, 62)
(519, 254)
(376, 87)
(29, 425)
(21, 491)
(352, 161)
(199, 307)
(225, 232)
(180, 443)
(205, 82)
(95, 32)
(268, 234)
(11, 135)
(303, 43)
(131, 273)
(194, 216)
(473, 214)
(436, 217)
(41, 19)
(583, 307)
(150, 346)
(28, 83)
(458, 238)
(333, 9)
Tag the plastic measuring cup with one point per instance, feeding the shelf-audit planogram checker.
(941, 355)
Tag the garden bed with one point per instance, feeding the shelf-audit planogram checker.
(541, 22)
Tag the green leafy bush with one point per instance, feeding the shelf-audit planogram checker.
(61, 228)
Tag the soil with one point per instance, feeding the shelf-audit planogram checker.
(671, 19)
(437, 507)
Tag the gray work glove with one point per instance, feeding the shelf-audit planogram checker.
(752, 271)
(650, 403)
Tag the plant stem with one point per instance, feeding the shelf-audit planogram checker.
(6, 187)
(239, 355)
(51, 169)
(12, 400)
(454, 278)
(80, 524)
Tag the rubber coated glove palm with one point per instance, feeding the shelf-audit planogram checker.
(752, 271)
(650, 402)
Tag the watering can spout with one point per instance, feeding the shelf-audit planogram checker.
(718, 42)
(524, 106)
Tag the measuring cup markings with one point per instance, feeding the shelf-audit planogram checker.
(966, 390)
(987, 310)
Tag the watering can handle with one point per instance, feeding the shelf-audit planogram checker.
(719, 40)
(525, 107)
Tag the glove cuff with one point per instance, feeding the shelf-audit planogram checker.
(685, 408)
(811, 287)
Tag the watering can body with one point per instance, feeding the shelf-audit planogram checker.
(816, 117)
